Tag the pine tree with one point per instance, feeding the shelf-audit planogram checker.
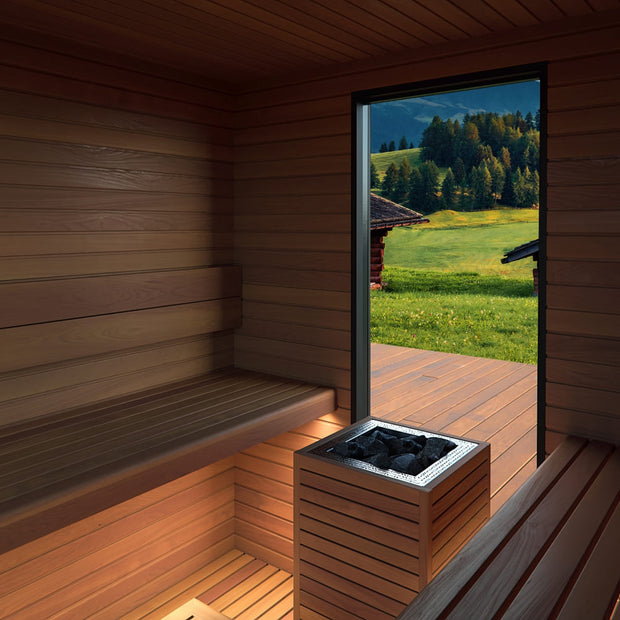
(402, 145)
(392, 146)
(508, 192)
(505, 158)
(459, 172)
(481, 185)
(448, 190)
(415, 190)
(519, 185)
(383, 148)
(465, 201)
(423, 184)
(401, 187)
(389, 181)
(374, 176)
(529, 120)
(497, 177)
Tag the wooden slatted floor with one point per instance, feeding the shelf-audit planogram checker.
(236, 586)
(473, 397)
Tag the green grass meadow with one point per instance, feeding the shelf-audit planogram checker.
(446, 289)
(382, 161)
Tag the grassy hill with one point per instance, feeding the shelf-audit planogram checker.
(465, 242)
(447, 290)
(382, 161)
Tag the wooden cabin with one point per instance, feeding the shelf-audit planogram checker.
(525, 250)
(184, 220)
(386, 215)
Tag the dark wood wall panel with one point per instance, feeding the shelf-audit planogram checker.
(116, 222)
(583, 254)
(284, 127)
(114, 561)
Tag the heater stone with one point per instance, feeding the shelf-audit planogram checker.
(379, 509)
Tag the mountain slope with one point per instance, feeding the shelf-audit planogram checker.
(409, 117)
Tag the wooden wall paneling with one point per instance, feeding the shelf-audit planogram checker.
(264, 491)
(586, 299)
(75, 243)
(297, 258)
(119, 85)
(52, 130)
(598, 222)
(599, 118)
(76, 200)
(116, 206)
(582, 322)
(274, 113)
(336, 300)
(64, 152)
(312, 279)
(574, 197)
(587, 350)
(36, 392)
(579, 373)
(124, 555)
(51, 266)
(45, 343)
(58, 300)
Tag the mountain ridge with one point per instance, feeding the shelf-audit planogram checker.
(409, 117)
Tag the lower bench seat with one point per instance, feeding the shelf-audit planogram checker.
(62, 468)
(552, 551)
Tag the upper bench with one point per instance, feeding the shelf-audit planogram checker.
(61, 468)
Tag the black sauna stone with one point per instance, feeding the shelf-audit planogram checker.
(388, 449)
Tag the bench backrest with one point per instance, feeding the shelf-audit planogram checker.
(73, 341)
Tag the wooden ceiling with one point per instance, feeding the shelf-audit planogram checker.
(245, 41)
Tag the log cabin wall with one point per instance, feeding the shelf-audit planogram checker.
(292, 184)
(115, 206)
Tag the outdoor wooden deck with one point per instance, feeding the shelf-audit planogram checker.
(472, 397)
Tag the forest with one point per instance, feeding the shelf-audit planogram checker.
(488, 159)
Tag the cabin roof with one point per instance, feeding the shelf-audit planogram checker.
(242, 43)
(387, 214)
(522, 251)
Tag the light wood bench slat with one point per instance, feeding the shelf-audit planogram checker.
(594, 589)
(487, 595)
(553, 572)
(83, 461)
(551, 548)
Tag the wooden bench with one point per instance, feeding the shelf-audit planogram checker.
(62, 468)
(552, 551)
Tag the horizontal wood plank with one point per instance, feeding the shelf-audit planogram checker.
(59, 300)
(35, 345)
